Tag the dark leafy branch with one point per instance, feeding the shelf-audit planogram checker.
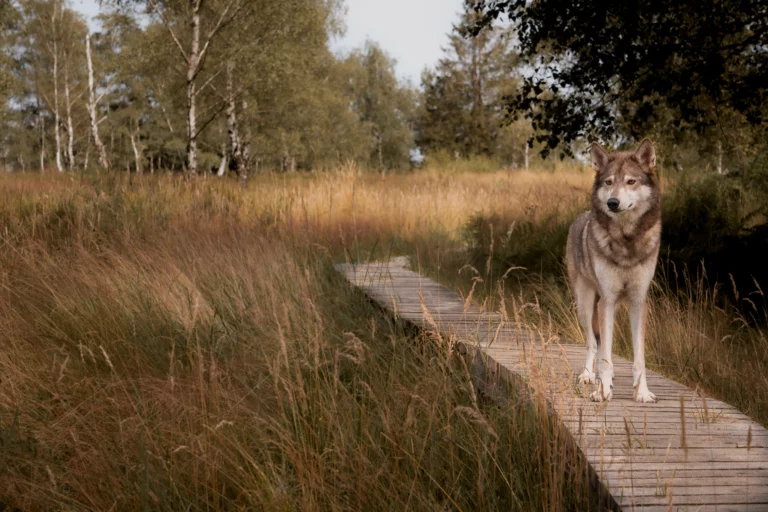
(597, 64)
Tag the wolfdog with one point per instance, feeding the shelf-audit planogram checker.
(611, 255)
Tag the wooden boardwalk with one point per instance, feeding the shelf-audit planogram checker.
(720, 463)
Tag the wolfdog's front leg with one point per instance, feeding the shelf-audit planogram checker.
(637, 322)
(585, 301)
(607, 308)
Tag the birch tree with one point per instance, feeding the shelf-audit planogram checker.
(253, 81)
(286, 103)
(52, 69)
(384, 106)
(462, 106)
(93, 107)
(73, 31)
(9, 18)
(53, 48)
(194, 27)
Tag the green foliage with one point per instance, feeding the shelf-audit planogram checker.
(293, 103)
(461, 109)
(719, 227)
(9, 18)
(538, 245)
(384, 107)
(713, 227)
(443, 162)
(637, 65)
(290, 100)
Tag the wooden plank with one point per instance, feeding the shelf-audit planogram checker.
(701, 508)
(713, 470)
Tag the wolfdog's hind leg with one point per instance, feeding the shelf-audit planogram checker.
(586, 302)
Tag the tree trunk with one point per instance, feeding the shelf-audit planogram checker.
(103, 162)
(192, 70)
(87, 151)
(70, 131)
(42, 139)
(136, 150)
(224, 161)
(235, 146)
(719, 157)
(245, 149)
(167, 119)
(56, 117)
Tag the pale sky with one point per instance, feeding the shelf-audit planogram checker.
(411, 31)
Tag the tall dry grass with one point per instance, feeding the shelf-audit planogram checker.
(170, 344)
(695, 333)
(174, 345)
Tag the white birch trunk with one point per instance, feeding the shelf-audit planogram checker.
(719, 157)
(87, 151)
(70, 131)
(245, 150)
(167, 119)
(224, 161)
(192, 70)
(103, 162)
(235, 144)
(56, 115)
(136, 149)
(42, 139)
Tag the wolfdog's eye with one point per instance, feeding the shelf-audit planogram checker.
(609, 182)
(631, 182)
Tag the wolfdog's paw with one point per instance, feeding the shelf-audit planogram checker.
(604, 392)
(644, 396)
(587, 377)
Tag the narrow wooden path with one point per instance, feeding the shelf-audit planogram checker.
(720, 463)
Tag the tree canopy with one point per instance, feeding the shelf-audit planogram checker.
(598, 66)
(462, 108)
(195, 85)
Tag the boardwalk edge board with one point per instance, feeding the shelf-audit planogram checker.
(720, 463)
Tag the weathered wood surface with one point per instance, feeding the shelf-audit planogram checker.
(721, 463)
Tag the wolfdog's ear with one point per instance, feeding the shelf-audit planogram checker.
(599, 156)
(646, 154)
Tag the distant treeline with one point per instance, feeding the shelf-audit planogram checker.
(240, 85)
(243, 85)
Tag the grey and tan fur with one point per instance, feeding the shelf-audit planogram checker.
(611, 254)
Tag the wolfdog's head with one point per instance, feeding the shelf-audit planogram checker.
(625, 183)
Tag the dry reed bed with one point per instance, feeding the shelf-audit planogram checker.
(171, 344)
(176, 345)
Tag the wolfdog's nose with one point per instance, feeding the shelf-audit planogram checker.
(613, 204)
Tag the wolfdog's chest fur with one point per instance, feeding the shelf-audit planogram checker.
(605, 250)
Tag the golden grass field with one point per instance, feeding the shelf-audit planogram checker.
(171, 344)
